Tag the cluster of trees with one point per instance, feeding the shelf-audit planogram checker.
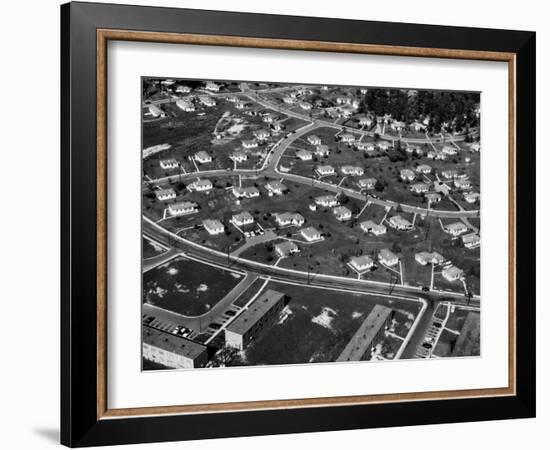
(458, 109)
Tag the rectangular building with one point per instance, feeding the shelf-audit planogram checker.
(255, 319)
(172, 351)
(366, 337)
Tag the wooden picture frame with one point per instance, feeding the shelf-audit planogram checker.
(86, 418)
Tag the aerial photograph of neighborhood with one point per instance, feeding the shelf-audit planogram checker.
(298, 224)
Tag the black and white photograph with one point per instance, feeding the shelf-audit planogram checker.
(298, 224)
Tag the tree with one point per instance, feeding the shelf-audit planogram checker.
(224, 356)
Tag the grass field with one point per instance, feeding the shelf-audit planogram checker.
(150, 249)
(317, 324)
(187, 287)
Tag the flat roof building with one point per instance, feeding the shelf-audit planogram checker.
(258, 317)
(172, 351)
(360, 347)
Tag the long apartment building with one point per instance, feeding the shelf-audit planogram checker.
(259, 316)
(172, 351)
(360, 346)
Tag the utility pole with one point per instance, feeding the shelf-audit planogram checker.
(393, 282)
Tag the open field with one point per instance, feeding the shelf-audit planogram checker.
(316, 325)
(150, 249)
(187, 287)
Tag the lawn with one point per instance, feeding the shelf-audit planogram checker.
(187, 287)
(316, 325)
(151, 249)
(468, 343)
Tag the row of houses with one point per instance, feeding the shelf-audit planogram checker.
(364, 262)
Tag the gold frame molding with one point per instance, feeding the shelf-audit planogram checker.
(105, 35)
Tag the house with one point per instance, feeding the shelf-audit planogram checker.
(250, 143)
(387, 257)
(455, 228)
(289, 100)
(433, 197)
(436, 155)
(275, 187)
(207, 101)
(425, 258)
(352, 170)
(213, 226)
(311, 234)
(261, 135)
(348, 138)
(304, 155)
(419, 188)
(452, 273)
(287, 218)
(384, 145)
(360, 145)
(365, 121)
(449, 174)
(369, 226)
(417, 126)
(361, 263)
(326, 200)
(254, 320)
(400, 223)
(471, 197)
(165, 194)
(246, 192)
(238, 156)
(286, 248)
(341, 213)
(232, 98)
(167, 164)
(471, 240)
(181, 208)
(314, 139)
(462, 184)
(475, 147)
(370, 147)
(242, 218)
(211, 86)
(269, 118)
(304, 105)
(424, 168)
(397, 125)
(202, 157)
(325, 170)
(367, 183)
(240, 105)
(155, 111)
(276, 127)
(449, 150)
(183, 89)
(185, 105)
(322, 150)
(407, 175)
(200, 185)
(343, 100)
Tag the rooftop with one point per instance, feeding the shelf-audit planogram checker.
(172, 343)
(363, 337)
(248, 318)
